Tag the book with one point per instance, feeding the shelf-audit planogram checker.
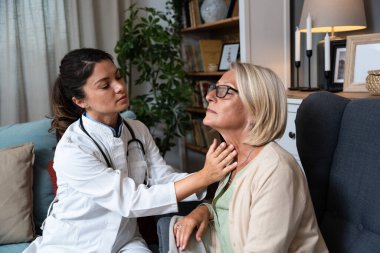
(197, 96)
(210, 134)
(197, 15)
(196, 52)
(185, 15)
(231, 5)
(191, 13)
(191, 55)
(235, 12)
(187, 57)
(199, 139)
(203, 88)
(210, 51)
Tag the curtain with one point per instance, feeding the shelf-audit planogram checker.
(35, 35)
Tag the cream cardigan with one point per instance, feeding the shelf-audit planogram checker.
(271, 208)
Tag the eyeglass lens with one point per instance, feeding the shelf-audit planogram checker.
(221, 90)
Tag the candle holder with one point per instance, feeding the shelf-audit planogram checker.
(309, 53)
(297, 64)
(327, 78)
(330, 85)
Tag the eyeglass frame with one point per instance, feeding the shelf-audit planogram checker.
(217, 89)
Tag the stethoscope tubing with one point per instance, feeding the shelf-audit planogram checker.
(134, 139)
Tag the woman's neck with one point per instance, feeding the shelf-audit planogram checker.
(244, 151)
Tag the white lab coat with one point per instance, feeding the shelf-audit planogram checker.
(97, 206)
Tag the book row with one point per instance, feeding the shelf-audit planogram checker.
(199, 94)
(201, 55)
(201, 135)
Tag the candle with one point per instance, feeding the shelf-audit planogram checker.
(298, 45)
(327, 52)
(308, 33)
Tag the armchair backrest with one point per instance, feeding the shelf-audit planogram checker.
(338, 141)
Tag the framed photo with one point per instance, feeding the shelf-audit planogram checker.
(338, 57)
(230, 53)
(363, 54)
(339, 62)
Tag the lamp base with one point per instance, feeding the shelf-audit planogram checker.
(339, 89)
(308, 88)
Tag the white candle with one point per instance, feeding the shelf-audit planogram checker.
(298, 45)
(308, 33)
(327, 52)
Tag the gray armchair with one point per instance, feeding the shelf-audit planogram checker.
(163, 223)
(338, 141)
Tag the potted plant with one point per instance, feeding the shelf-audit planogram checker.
(150, 44)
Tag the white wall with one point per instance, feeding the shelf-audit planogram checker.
(264, 33)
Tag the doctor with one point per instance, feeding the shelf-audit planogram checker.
(109, 170)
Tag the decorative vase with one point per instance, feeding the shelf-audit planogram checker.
(213, 10)
(373, 82)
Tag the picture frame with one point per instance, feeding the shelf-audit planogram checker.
(230, 53)
(363, 52)
(338, 60)
(335, 79)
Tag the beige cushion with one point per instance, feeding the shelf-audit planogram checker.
(16, 202)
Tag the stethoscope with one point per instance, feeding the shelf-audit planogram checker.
(134, 139)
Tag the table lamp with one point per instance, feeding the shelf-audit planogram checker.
(331, 16)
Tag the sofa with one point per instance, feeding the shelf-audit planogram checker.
(26, 219)
(33, 146)
(338, 141)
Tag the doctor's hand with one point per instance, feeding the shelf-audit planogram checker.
(219, 161)
(217, 165)
(197, 220)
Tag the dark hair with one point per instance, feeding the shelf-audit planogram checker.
(76, 67)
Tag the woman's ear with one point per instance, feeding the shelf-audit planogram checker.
(79, 102)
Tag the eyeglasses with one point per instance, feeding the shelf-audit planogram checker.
(221, 90)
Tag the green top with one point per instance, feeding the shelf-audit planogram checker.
(221, 205)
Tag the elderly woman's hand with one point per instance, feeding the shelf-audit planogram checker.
(219, 161)
(198, 219)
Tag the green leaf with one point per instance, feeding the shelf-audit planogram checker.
(149, 48)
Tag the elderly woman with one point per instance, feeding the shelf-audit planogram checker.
(264, 204)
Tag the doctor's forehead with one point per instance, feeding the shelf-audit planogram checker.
(103, 70)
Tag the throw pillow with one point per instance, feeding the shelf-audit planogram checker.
(16, 201)
(53, 176)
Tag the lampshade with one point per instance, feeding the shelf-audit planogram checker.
(333, 15)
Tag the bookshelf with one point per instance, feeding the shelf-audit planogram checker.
(205, 74)
(194, 33)
(232, 22)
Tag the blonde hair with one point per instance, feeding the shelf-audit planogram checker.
(263, 95)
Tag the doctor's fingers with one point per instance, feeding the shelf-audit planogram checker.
(221, 157)
(222, 149)
(226, 157)
(213, 147)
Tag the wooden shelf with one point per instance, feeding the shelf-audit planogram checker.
(205, 74)
(350, 95)
(220, 24)
(196, 148)
(196, 109)
(226, 31)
